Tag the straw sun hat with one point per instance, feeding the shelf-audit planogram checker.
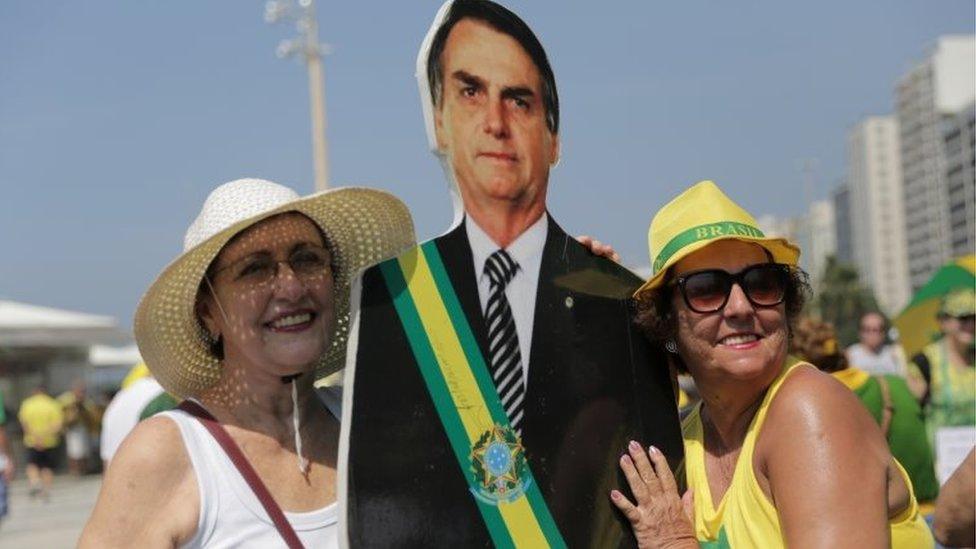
(362, 227)
(701, 215)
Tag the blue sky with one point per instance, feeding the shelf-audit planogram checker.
(118, 117)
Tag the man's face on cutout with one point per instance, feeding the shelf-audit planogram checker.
(491, 120)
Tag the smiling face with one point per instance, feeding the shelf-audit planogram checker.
(960, 332)
(740, 341)
(491, 120)
(274, 306)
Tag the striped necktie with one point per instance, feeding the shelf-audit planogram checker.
(503, 344)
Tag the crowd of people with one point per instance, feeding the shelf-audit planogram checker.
(73, 431)
(504, 383)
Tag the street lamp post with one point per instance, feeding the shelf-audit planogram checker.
(306, 44)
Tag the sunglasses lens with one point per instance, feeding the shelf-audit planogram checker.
(765, 285)
(707, 291)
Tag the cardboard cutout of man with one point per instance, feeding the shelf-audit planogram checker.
(494, 376)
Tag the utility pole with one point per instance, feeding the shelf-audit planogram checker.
(808, 166)
(307, 45)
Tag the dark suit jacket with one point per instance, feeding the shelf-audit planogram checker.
(593, 385)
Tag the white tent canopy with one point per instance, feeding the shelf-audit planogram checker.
(106, 355)
(25, 325)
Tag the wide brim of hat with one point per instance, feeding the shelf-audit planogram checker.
(782, 250)
(362, 227)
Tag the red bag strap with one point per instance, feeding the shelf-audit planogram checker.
(244, 467)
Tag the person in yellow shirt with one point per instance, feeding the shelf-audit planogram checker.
(42, 418)
(777, 453)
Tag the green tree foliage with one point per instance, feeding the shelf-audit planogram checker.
(841, 300)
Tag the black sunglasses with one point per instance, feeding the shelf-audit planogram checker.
(708, 290)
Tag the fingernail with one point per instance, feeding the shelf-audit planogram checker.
(625, 459)
(654, 450)
(634, 445)
(614, 494)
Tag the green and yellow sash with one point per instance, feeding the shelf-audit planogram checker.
(488, 451)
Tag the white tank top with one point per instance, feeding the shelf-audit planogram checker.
(230, 514)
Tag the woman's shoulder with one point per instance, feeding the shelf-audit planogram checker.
(805, 385)
(154, 446)
(808, 399)
(149, 493)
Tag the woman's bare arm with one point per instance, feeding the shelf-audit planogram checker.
(149, 495)
(824, 462)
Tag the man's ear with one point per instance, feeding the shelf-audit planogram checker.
(439, 127)
(554, 150)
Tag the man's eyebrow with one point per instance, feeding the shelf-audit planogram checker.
(467, 78)
(517, 92)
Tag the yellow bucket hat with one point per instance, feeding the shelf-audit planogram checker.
(959, 303)
(697, 217)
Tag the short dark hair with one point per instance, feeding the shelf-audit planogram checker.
(506, 22)
(656, 319)
(879, 314)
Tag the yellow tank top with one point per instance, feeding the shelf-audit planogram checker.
(745, 517)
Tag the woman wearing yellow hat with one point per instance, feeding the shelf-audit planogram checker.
(240, 325)
(777, 453)
(946, 368)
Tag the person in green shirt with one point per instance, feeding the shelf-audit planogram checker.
(948, 365)
(888, 399)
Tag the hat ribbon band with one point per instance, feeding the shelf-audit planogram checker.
(708, 231)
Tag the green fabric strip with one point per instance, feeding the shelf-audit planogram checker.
(707, 231)
(439, 393)
(477, 365)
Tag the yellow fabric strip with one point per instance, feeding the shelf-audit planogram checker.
(852, 377)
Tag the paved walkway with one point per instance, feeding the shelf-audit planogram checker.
(35, 524)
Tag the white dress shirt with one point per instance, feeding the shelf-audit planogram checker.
(526, 250)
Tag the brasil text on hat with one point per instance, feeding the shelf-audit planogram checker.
(697, 217)
(361, 226)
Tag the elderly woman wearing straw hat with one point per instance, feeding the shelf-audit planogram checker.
(777, 453)
(240, 325)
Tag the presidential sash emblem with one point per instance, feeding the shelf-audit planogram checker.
(498, 466)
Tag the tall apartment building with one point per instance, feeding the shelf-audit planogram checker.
(877, 221)
(814, 232)
(936, 89)
(818, 239)
(841, 196)
(960, 146)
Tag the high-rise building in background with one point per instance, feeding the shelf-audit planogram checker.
(877, 221)
(960, 146)
(841, 196)
(818, 239)
(937, 89)
(814, 232)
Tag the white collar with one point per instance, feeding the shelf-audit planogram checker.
(527, 247)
